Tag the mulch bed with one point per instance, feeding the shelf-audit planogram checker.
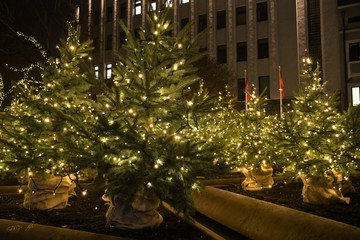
(289, 195)
(89, 215)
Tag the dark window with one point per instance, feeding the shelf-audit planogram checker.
(261, 11)
(314, 30)
(241, 15)
(123, 10)
(109, 39)
(241, 89)
(122, 38)
(354, 51)
(96, 17)
(221, 54)
(221, 19)
(96, 44)
(354, 19)
(241, 50)
(183, 22)
(263, 48)
(264, 85)
(110, 14)
(136, 33)
(202, 22)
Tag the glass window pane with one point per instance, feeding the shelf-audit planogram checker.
(355, 92)
(221, 19)
(241, 15)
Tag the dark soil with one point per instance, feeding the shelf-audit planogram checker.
(289, 195)
(87, 215)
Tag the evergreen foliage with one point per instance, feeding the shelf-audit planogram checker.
(311, 137)
(149, 120)
(45, 131)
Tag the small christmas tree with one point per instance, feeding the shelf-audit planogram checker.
(252, 145)
(311, 140)
(45, 132)
(149, 121)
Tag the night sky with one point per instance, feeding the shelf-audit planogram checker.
(45, 20)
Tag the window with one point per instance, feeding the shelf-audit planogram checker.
(137, 7)
(354, 51)
(263, 48)
(77, 13)
(261, 11)
(153, 5)
(169, 3)
(354, 19)
(355, 96)
(108, 70)
(122, 38)
(109, 42)
(202, 22)
(183, 22)
(110, 14)
(96, 70)
(241, 15)
(221, 54)
(123, 10)
(264, 85)
(184, 1)
(241, 89)
(221, 19)
(96, 44)
(96, 17)
(241, 51)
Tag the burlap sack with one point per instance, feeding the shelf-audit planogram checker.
(51, 193)
(257, 179)
(143, 213)
(316, 192)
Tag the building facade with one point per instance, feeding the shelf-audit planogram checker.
(256, 39)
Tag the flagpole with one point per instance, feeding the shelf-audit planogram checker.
(281, 94)
(246, 89)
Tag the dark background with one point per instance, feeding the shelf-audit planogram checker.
(45, 20)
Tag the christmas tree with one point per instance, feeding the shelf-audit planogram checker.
(149, 118)
(251, 145)
(311, 139)
(45, 132)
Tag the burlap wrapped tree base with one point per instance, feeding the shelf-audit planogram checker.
(329, 192)
(50, 193)
(257, 179)
(143, 213)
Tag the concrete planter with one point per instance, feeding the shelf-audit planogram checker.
(25, 231)
(258, 219)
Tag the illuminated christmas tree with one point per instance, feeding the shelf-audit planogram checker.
(251, 145)
(149, 120)
(45, 132)
(311, 139)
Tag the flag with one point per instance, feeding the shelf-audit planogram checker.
(247, 95)
(281, 83)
